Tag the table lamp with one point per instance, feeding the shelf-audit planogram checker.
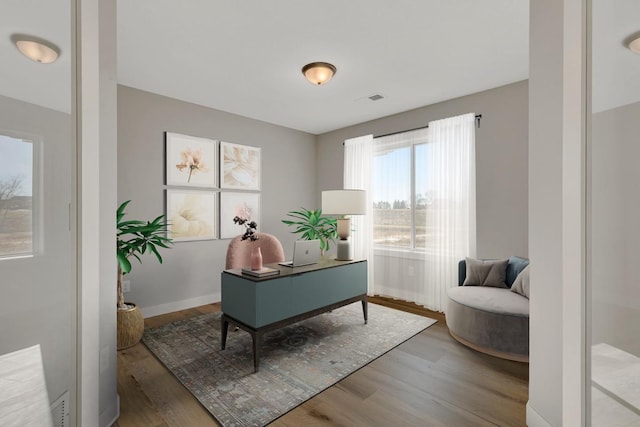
(344, 203)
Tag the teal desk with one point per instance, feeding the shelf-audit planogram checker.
(260, 305)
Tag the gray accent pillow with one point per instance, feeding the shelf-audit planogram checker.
(486, 273)
(521, 284)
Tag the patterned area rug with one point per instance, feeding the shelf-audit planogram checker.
(297, 362)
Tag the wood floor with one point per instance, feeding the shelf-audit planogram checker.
(430, 380)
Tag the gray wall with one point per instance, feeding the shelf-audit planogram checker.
(545, 212)
(293, 161)
(107, 161)
(615, 233)
(39, 294)
(190, 274)
(501, 161)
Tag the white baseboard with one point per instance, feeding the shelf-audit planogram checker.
(157, 310)
(111, 415)
(534, 419)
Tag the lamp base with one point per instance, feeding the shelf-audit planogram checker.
(344, 250)
(344, 227)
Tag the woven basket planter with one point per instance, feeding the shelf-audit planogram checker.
(130, 326)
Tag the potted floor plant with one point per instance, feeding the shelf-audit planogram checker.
(310, 224)
(134, 239)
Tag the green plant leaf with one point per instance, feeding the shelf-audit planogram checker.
(135, 238)
(124, 263)
(310, 224)
(162, 244)
(153, 249)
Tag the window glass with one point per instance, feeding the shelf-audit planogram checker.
(16, 194)
(392, 217)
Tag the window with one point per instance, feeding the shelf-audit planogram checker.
(401, 196)
(16, 196)
(422, 189)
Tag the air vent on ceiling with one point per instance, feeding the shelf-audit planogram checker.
(376, 97)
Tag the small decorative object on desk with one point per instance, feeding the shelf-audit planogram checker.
(250, 234)
(256, 258)
(263, 272)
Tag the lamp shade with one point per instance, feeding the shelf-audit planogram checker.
(344, 202)
(38, 51)
(319, 73)
(635, 45)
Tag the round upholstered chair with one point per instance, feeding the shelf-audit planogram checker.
(491, 320)
(239, 251)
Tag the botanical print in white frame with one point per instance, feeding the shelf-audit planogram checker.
(191, 161)
(239, 166)
(244, 205)
(192, 215)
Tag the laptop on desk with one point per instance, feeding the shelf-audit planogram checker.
(305, 252)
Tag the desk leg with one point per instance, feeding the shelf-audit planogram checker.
(365, 310)
(257, 343)
(224, 328)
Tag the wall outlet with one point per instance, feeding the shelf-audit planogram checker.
(126, 286)
(410, 271)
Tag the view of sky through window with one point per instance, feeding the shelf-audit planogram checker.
(16, 160)
(16, 196)
(397, 222)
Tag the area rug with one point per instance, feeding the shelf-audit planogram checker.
(297, 362)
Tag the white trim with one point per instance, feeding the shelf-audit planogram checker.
(113, 409)
(156, 310)
(534, 419)
(88, 214)
(96, 168)
(37, 197)
(573, 215)
(113, 421)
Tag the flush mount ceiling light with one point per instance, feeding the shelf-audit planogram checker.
(634, 45)
(36, 49)
(318, 73)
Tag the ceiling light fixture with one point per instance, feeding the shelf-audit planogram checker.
(634, 45)
(318, 73)
(36, 49)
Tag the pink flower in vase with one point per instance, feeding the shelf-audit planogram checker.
(250, 234)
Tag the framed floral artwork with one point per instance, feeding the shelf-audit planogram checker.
(191, 161)
(191, 215)
(244, 205)
(239, 166)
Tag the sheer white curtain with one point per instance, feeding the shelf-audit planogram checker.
(398, 244)
(451, 178)
(422, 184)
(358, 174)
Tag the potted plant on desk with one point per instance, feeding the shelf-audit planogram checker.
(134, 239)
(311, 225)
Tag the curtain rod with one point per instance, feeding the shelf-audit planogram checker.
(478, 117)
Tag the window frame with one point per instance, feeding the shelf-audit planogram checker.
(37, 202)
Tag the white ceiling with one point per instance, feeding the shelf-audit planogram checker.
(616, 71)
(48, 85)
(245, 57)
